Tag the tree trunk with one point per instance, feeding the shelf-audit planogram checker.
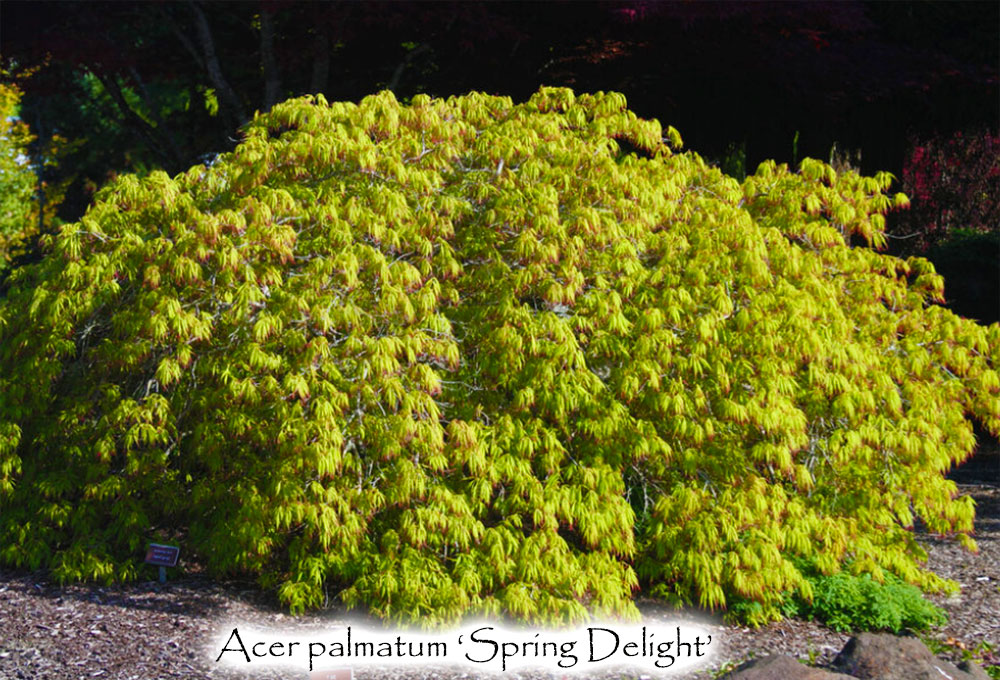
(227, 96)
(397, 75)
(321, 62)
(268, 64)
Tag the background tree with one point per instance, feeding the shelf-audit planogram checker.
(17, 180)
(163, 84)
(28, 200)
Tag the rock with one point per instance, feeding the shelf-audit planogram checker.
(868, 656)
(780, 666)
(973, 670)
(880, 656)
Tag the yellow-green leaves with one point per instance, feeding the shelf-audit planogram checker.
(467, 357)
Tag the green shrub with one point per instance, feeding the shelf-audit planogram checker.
(27, 202)
(438, 358)
(849, 603)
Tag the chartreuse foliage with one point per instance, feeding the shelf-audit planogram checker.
(468, 357)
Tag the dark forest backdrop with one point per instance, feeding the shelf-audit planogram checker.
(911, 88)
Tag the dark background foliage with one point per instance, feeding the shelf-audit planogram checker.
(140, 85)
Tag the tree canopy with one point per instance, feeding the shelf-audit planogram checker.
(467, 356)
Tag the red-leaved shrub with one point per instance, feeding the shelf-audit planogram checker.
(953, 184)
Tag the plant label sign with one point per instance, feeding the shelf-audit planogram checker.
(335, 674)
(162, 556)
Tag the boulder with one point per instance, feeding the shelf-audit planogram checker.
(880, 656)
(780, 666)
(868, 656)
